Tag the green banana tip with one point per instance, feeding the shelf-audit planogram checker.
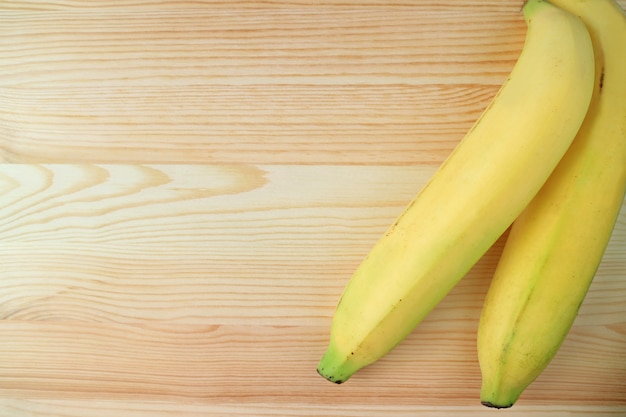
(529, 7)
(493, 405)
(329, 378)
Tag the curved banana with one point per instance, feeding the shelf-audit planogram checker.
(473, 197)
(556, 245)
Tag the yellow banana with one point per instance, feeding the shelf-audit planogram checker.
(472, 198)
(556, 245)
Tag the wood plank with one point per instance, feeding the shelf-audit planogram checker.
(396, 125)
(435, 366)
(216, 284)
(272, 83)
(37, 5)
(106, 408)
(277, 84)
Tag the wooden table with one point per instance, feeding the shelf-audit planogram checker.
(188, 186)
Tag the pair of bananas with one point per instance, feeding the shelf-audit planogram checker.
(547, 156)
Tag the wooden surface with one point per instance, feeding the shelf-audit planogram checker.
(187, 187)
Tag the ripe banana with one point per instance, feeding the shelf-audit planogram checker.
(555, 246)
(472, 198)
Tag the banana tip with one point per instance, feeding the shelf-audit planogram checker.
(329, 378)
(493, 405)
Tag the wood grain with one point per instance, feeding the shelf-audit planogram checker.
(211, 287)
(188, 186)
(272, 82)
(277, 83)
(69, 408)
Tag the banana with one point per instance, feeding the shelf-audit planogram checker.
(555, 246)
(474, 196)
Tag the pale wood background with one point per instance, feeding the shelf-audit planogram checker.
(187, 187)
